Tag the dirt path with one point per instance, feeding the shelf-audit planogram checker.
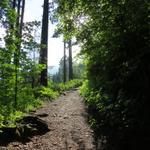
(67, 121)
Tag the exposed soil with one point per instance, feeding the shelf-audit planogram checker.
(66, 118)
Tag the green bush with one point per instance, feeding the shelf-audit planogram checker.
(70, 85)
(30, 99)
(84, 89)
(26, 102)
(60, 87)
(46, 92)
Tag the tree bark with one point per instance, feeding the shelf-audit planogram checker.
(44, 43)
(64, 61)
(19, 24)
(70, 60)
(22, 17)
(14, 4)
(16, 55)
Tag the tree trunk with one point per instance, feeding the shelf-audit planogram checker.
(19, 24)
(44, 43)
(16, 55)
(64, 61)
(22, 17)
(14, 4)
(70, 60)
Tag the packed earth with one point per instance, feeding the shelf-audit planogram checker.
(68, 126)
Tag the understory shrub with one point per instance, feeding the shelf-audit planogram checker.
(46, 92)
(30, 99)
(26, 102)
(69, 85)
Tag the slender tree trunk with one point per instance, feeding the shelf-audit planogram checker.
(70, 60)
(44, 43)
(14, 4)
(22, 17)
(64, 61)
(16, 59)
(19, 25)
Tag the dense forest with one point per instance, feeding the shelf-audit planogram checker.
(114, 37)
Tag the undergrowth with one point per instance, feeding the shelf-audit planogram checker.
(30, 99)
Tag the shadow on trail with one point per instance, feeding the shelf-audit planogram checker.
(26, 128)
(128, 139)
(129, 142)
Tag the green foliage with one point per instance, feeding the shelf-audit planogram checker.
(78, 69)
(84, 89)
(70, 85)
(54, 89)
(114, 38)
(9, 114)
(60, 87)
(37, 103)
(46, 92)
(18, 70)
(13, 117)
(9, 120)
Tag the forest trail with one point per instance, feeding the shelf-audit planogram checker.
(67, 121)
